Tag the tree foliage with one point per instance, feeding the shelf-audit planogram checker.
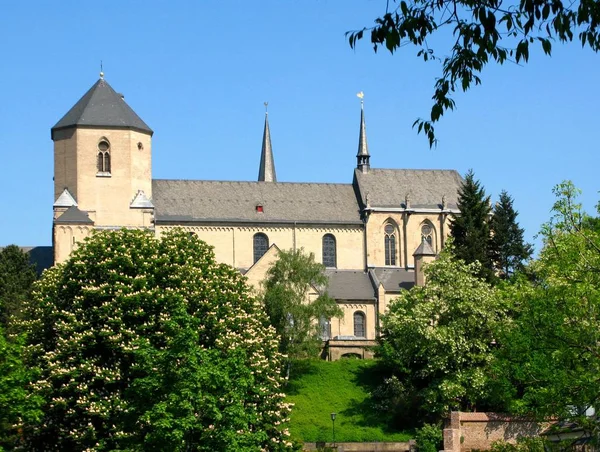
(294, 315)
(438, 339)
(507, 245)
(483, 31)
(471, 229)
(551, 351)
(17, 275)
(149, 344)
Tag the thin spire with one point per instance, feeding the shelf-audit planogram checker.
(362, 156)
(266, 171)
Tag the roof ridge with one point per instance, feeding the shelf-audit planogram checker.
(251, 182)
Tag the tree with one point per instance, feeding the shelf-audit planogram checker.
(484, 31)
(438, 339)
(470, 229)
(295, 317)
(507, 244)
(149, 344)
(17, 275)
(551, 351)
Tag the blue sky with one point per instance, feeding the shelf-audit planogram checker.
(198, 73)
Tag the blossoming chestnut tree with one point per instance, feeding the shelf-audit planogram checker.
(149, 344)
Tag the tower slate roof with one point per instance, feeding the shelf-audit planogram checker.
(266, 170)
(424, 249)
(280, 202)
(426, 188)
(102, 106)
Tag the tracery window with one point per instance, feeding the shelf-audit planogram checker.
(359, 324)
(329, 251)
(390, 244)
(261, 245)
(427, 233)
(103, 158)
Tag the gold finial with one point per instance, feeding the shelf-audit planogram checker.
(266, 104)
(101, 70)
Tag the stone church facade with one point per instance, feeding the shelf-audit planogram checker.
(372, 234)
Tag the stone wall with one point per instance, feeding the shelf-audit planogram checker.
(362, 447)
(477, 431)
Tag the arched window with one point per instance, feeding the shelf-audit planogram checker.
(390, 244)
(359, 324)
(103, 157)
(427, 233)
(329, 251)
(261, 245)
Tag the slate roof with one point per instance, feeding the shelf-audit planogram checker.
(424, 249)
(102, 106)
(40, 256)
(74, 215)
(266, 169)
(389, 187)
(283, 202)
(350, 285)
(394, 279)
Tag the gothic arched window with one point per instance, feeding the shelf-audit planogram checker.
(103, 157)
(390, 244)
(329, 251)
(261, 245)
(359, 324)
(427, 233)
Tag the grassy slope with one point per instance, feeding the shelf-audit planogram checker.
(318, 388)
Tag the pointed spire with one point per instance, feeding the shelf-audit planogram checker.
(362, 156)
(266, 171)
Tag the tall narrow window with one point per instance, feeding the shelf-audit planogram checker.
(390, 244)
(329, 251)
(103, 158)
(261, 245)
(325, 328)
(427, 233)
(359, 324)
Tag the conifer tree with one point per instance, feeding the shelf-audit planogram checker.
(507, 246)
(471, 229)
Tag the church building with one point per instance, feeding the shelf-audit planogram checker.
(372, 234)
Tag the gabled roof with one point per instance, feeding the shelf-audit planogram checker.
(74, 215)
(281, 202)
(350, 285)
(102, 106)
(393, 279)
(426, 188)
(65, 199)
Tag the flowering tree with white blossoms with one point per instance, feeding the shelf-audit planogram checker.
(149, 344)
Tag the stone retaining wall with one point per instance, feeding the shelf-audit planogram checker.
(477, 431)
(362, 447)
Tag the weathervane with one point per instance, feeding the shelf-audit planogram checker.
(266, 104)
(101, 70)
(361, 96)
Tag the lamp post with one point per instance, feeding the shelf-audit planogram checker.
(333, 426)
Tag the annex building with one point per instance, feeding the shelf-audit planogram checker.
(372, 234)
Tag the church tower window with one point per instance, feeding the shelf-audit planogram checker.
(103, 158)
(390, 244)
(329, 251)
(261, 245)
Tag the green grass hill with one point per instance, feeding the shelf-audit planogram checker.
(318, 388)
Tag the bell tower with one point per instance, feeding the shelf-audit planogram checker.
(102, 168)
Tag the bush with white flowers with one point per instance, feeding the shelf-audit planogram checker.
(149, 344)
